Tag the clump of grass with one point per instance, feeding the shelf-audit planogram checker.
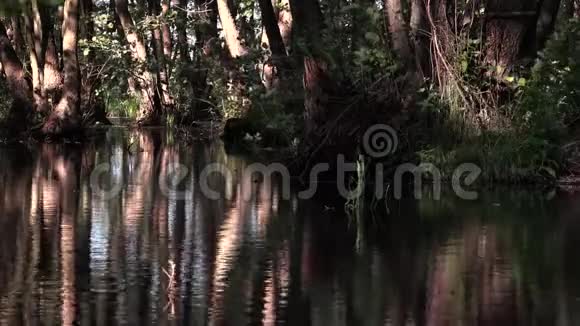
(122, 107)
(502, 157)
(515, 128)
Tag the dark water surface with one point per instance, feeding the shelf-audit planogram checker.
(72, 253)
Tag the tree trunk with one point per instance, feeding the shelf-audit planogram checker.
(398, 31)
(35, 40)
(53, 79)
(18, 85)
(575, 8)
(546, 21)
(285, 22)
(234, 41)
(272, 39)
(318, 86)
(159, 47)
(507, 24)
(17, 36)
(207, 40)
(116, 22)
(419, 32)
(166, 33)
(149, 110)
(270, 23)
(66, 115)
(180, 6)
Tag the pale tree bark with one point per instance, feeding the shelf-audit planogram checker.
(35, 40)
(236, 48)
(159, 47)
(131, 81)
(66, 117)
(270, 23)
(149, 111)
(18, 85)
(234, 41)
(577, 8)
(398, 30)
(166, 32)
(285, 22)
(53, 78)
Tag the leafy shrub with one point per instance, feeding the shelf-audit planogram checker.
(551, 101)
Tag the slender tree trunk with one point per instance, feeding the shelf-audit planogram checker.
(17, 36)
(180, 6)
(53, 79)
(234, 41)
(131, 82)
(66, 115)
(207, 41)
(18, 85)
(275, 41)
(159, 45)
(272, 38)
(236, 48)
(576, 8)
(318, 86)
(398, 30)
(92, 106)
(546, 21)
(35, 40)
(149, 111)
(442, 39)
(507, 24)
(419, 32)
(285, 22)
(166, 32)
(207, 34)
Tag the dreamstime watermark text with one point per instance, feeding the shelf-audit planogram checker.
(378, 142)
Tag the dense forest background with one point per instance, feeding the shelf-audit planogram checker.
(490, 82)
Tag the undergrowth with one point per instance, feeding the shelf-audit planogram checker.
(539, 119)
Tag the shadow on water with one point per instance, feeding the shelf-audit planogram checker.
(156, 254)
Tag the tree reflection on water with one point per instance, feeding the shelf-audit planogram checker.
(148, 256)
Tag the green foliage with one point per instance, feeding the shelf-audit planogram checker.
(361, 53)
(15, 7)
(551, 100)
(121, 106)
(534, 113)
(503, 158)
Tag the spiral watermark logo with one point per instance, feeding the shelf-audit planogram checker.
(380, 141)
(352, 179)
